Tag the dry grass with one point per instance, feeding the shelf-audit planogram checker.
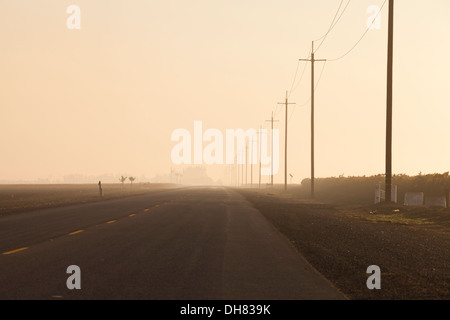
(411, 246)
(400, 214)
(18, 198)
(396, 213)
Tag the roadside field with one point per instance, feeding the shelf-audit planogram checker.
(411, 246)
(362, 207)
(17, 198)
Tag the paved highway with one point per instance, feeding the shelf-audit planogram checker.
(198, 243)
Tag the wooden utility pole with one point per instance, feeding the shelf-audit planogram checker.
(260, 132)
(271, 146)
(246, 161)
(237, 168)
(286, 103)
(242, 166)
(312, 60)
(388, 186)
(251, 163)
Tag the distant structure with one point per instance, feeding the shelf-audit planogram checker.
(196, 176)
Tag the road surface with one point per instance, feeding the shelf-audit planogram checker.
(199, 243)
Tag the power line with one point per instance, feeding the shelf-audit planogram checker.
(301, 76)
(295, 77)
(333, 24)
(309, 99)
(315, 89)
(277, 110)
(363, 35)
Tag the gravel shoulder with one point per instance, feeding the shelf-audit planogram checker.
(341, 242)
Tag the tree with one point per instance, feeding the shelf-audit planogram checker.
(132, 179)
(122, 179)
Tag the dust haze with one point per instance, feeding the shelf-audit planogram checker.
(102, 99)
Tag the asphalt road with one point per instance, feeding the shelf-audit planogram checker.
(190, 243)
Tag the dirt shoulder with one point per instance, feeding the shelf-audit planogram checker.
(411, 246)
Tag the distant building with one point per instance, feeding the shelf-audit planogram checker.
(196, 176)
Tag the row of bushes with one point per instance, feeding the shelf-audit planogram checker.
(361, 190)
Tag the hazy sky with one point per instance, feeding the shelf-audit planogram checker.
(107, 97)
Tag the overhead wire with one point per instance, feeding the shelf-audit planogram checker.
(333, 24)
(309, 99)
(363, 35)
(295, 76)
(323, 38)
(301, 77)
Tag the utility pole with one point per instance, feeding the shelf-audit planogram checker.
(236, 168)
(286, 103)
(231, 168)
(239, 168)
(388, 186)
(242, 165)
(260, 144)
(271, 152)
(251, 163)
(246, 161)
(233, 174)
(312, 60)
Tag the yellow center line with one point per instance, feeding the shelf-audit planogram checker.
(132, 215)
(112, 221)
(75, 232)
(147, 209)
(14, 251)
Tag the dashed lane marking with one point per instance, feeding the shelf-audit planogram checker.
(75, 232)
(14, 251)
